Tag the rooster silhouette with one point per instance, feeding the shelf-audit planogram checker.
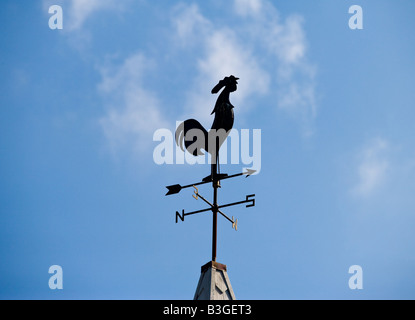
(222, 124)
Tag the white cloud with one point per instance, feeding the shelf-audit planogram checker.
(263, 51)
(372, 168)
(248, 7)
(287, 40)
(267, 53)
(225, 56)
(80, 10)
(133, 111)
(284, 41)
(222, 53)
(189, 23)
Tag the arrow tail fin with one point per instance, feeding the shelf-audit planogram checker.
(173, 189)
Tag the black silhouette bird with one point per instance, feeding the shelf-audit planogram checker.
(222, 124)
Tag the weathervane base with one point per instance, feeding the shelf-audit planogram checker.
(214, 283)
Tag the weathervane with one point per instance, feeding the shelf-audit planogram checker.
(211, 142)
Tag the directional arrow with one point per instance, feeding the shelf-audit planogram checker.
(176, 188)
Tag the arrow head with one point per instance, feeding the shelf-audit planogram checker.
(249, 172)
(174, 189)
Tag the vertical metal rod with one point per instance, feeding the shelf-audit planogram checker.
(215, 183)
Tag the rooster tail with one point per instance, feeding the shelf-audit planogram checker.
(192, 129)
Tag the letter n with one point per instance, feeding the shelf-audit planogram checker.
(180, 216)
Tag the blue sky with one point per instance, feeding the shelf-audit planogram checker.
(80, 189)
